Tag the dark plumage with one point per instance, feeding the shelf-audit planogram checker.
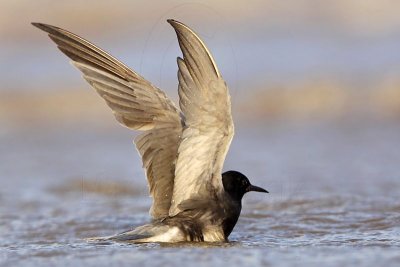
(236, 185)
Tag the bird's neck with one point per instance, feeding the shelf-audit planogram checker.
(231, 217)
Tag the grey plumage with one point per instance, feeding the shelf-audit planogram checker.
(205, 101)
(182, 151)
(136, 104)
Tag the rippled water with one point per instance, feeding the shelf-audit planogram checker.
(334, 197)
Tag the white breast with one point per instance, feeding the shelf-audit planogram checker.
(172, 235)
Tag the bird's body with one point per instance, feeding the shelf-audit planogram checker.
(183, 150)
(209, 222)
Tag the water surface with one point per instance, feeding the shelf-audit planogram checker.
(334, 197)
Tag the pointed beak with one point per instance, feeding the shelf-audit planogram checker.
(256, 189)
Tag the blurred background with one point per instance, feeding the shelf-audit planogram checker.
(315, 89)
(280, 59)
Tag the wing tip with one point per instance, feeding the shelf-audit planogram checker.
(181, 30)
(173, 22)
(39, 25)
(177, 24)
(45, 27)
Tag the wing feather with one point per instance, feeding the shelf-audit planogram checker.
(204, 99)
(136, 104)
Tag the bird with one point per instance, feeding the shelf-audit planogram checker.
(182, 149)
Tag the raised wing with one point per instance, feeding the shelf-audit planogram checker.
(205, 102)
(136, 104)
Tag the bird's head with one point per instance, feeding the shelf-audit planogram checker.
(236, 185)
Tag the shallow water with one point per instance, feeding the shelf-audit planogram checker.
(334, 197)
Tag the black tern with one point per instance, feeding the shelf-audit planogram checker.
(183, 150)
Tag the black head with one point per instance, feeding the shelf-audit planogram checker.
(236, 185)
